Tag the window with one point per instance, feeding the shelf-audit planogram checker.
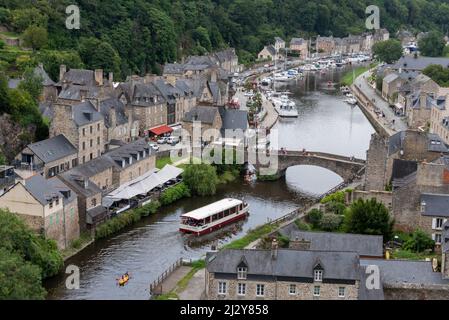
(91, 143)
(84, 132)
(437, 237)
(57, 201)
(341, 292)
(241, 291)
(318, 275)
(98, 127)
(317, 291)
(222, 288)
(91, 129)
(91, 156)
(84, 145)
(292, 289)
(98, 140)
(51, 204)
(84, 159)
(94, 202)
(439, 223)
(260, 290)
(50, 221)
(242, 273)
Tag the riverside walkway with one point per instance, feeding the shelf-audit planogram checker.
(370, 102)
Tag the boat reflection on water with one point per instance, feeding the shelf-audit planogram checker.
(214, 238)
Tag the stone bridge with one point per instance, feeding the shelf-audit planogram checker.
(348, 168)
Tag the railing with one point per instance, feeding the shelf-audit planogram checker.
(27, 166)
(7, 181)
(156, 286)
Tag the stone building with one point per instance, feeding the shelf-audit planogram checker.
(445, 251)
(397, 157)
(439, 119)
(48, 157)
(301, 46)
(144, 103)
(279, 43)
(228, 60)
(390, 87)
(269, 53)
(83, 125)
(48, 207)
(325, 45)
(280, 274)
(7, 178)
(90, 181)
(49, 91)
(207, 120)
(118, 126)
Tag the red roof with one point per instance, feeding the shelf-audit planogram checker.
(161, 130)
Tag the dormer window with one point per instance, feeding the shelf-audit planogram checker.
(423, 207)
(242, 273)
(318, 275)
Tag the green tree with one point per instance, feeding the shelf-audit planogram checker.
(16, 237)
(201, 35)
(4, 97)
(419, 241)
(369, 217)
(52, 59)
(201, 179)
(314, 217)
(438, 73)
(32, 83)
(388, 51)
(35, 37)
(21, 19)
(432, 45)
(19, 280)
(331, 222)
(97, 54)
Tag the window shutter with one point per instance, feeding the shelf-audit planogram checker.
(434, 224)
(433, 237)
(444, 221)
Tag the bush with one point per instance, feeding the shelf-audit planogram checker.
(314, 217)
(331, 222)
(174, 194)
(124, 220)
(338, 197)
(201, 179)
(419, 242)
(369, 217)
(283, 241)
(336, 207)
(302, 225)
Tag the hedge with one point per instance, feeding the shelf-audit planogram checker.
(174, 194)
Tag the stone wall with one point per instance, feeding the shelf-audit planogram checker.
(124, 175)
(445, 265)
(91, 144)
(416, 292)
(381, 196)
(278, 290)
(376, 164)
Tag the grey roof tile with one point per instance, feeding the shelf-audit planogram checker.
(201, 113)
(53, 149)
(437, 205)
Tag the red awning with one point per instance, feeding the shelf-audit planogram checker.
(161, 130)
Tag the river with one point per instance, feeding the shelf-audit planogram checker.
(145, 250)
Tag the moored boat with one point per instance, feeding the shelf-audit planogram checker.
(213, 217)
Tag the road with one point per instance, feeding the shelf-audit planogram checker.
(387, 122)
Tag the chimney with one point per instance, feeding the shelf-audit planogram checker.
(274, 249)
(62, 71)
(300, 245)
(85, 183)
(113, 117)
(99, 77)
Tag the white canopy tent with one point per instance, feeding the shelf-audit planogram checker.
(142, 185)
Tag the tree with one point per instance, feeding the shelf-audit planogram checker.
(35, 37)
(52, 59)
(438, 73)
(331, 222)
(432, 45)
(4, 97)
(369, 217)
(97, 54)
(201, 179)
(32, 83)
(19, 280)
(201, 35)
(388, 51)
(419, 241)
(314, 217)
(16, 237)
(21, 19)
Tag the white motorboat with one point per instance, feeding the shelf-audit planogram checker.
(285, 107)
(351, 101)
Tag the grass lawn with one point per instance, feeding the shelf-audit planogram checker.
(348, 78)
(252, 236)
(400, 254)
(162, 162)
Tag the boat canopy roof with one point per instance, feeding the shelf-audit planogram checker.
(214, 208)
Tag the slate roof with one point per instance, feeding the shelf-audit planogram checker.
(234, 119)
(204, 114)
(297, 41)
(364, 245)
(390, 78)
(75, 181)
(173, 68)
(53, 149)
(435, 143)
(118, 107)
(80, 77)
(420, 63)
(85, 113)
(289, 263)
(73, 92)
(46, 109)
(184, 86)
(399, 272)
(147, 94)
(278, 39)
(437, 205)
(41, 189)
(68, 194)
(225, 55)
(169, 92)
(128, 151)
(46, 80)
(271, 49)
(446, 237)
(369, 294)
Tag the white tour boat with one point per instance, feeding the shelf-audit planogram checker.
(214, 216)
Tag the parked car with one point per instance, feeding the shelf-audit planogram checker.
(162, 140)
(154, 146)
(173, 141)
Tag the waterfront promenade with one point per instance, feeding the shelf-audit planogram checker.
(374, 107)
